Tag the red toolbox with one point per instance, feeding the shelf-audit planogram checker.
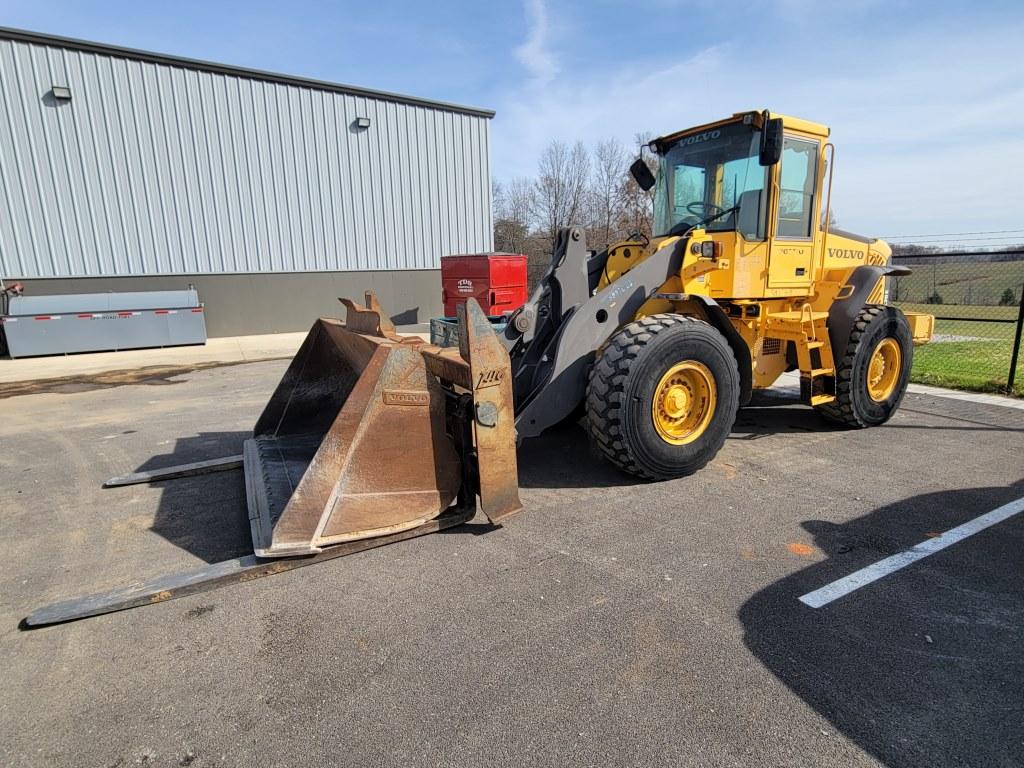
(496, 280)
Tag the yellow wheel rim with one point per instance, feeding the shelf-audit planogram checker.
(884, 369)
(684, 402)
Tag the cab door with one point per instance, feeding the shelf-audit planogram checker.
(792, 252)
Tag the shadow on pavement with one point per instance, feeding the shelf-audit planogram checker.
(205, 515)
(562, 458)
(778, 418)
(923, 667)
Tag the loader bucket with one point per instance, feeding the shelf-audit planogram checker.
(371, 433)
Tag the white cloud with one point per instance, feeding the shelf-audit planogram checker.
(926, 122)
(534, 53)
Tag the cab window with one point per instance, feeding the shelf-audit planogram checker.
(796, 187)
(712, 179)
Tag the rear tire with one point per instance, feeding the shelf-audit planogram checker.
(662, 396)
(872, 375)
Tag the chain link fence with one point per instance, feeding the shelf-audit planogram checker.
(976, 299)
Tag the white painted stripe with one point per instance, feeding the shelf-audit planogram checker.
(882, 568)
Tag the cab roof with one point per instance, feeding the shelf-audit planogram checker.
(792, 123)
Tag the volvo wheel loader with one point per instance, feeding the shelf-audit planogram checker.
(661, 340)
(372, 437)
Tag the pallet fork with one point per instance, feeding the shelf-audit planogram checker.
(370, 438)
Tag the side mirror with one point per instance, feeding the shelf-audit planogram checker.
(771, 142)
(642, 174)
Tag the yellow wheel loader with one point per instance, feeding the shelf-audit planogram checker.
(663, 340)
(372, 437)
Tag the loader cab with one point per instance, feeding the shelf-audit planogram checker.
(712, 178)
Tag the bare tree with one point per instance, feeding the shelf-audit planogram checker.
(513, 214)
(497, 203)
(606, 199)
(561, 186)
(529, 212)
(637, 205)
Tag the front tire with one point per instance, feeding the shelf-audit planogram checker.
(662, 396)
(872, 375)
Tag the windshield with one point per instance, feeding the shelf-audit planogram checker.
(712, 178)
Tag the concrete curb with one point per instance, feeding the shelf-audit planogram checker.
(790, 383)
(225, 351)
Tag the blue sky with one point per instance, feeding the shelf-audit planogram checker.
(925, 99)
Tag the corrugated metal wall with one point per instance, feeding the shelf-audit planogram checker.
(156, 169)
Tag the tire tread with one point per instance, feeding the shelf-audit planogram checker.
(606, 387)
(842, 411)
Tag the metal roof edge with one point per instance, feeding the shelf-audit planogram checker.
(40, 38)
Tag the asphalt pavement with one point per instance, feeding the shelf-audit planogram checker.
(612, 623)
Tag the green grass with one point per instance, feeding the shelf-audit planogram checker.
(966, 311)
(980, 362)
(963, 282)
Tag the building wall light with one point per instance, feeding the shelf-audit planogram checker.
(61, 93)
(362, 122)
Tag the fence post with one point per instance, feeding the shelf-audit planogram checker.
(1016, 343)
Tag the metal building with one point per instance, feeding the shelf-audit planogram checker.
(124, 170)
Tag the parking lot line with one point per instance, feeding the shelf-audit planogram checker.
(872, 573)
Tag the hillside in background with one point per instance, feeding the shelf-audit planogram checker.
(960, 280)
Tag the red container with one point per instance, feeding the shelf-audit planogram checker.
(496, 280)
